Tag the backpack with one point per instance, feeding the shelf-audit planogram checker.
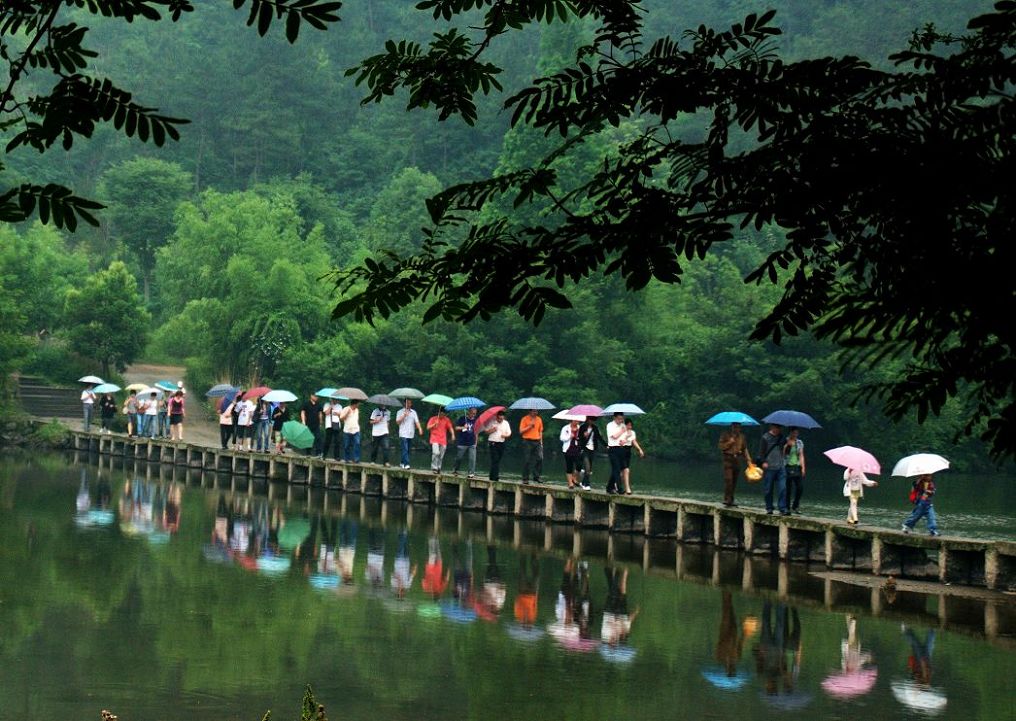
(913, 492)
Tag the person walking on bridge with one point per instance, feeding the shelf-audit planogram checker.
(409, 425)
(734, 447)
(922, 493)
(531, 430)
(774, 476)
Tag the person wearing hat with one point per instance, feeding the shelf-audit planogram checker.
(616, 431)
(498, 432)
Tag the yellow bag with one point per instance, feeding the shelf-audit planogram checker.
(753, 473)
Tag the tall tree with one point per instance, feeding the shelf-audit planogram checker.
(105, 320)
(142, 194)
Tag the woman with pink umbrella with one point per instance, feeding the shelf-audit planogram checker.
(857, 673)
(857, 462)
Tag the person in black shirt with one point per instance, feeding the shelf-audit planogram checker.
(310, 416)
(279, 416)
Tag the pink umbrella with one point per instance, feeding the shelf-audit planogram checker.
(856, 458)
(587, 409)
(850, 684)
(487, 416)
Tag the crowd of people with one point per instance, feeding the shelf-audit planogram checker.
(256, 425)
(783, 462)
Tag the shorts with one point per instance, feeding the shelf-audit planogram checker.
(175, 419)
(245, 431)
(572, 464)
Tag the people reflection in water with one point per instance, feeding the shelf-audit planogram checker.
(529, 585)
(171, 511)
(919, 660)
(435, 578)
(617, 622)
(402, 572)
(571, 627)
(326, 550)
(462, 589)
(347, 550)
(491, 598)
(778, 652)
(220, 531)
(730, 642)
(374, 571)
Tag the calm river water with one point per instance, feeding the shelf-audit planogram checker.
(164, 599)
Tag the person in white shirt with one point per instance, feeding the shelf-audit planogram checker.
(615, 453)
(498, 431)
(151, 415)
(351, 432)
(245, 425)
(628, 441)
(409, 426)
(571, 446)
(379, 419)
(87, 406)
(854, 482)
(332, 412)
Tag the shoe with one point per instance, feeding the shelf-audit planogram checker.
(387, 464)
(905, 528)
(934, 533)
(525, 481)
(769, 513)
(586, 487)
(784, 513)
(455, 473)
(471, 475)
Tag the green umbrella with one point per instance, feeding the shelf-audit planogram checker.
(297, 434)
(293, 532)
(437, 399)
(406, 393)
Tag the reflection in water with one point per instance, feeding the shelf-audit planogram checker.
(857, 668)
(148, 509)
(571, 627)
(778, 657)
(616, 625)
(94, 509)
(367, 558)
(729, 646)
(917, 692)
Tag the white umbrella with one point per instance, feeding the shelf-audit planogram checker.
(279, 396)
(920, 464)
(919, 697)
(566, 416)
(90, 379)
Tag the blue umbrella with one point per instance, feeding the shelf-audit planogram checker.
(721, 680)
(792, 419)
(324, 581)
(169, 386)
(228, 397)
(326, 392)
(629, 409)
(523, 633)
(106, 388)
(463, 402)
(459, 614)
(727, 417)
(221, 390)
(532, 404)
(794, 701)
(617, 654)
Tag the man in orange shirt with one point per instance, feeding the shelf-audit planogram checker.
(439, 427)
(531, 430)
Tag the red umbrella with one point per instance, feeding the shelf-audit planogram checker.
(254, 393)
(485, 417)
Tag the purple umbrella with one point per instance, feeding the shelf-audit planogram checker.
(585, 409)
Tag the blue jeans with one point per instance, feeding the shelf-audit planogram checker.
(263, 435)
(404, 444)
(136, 419)
(779, 477)
(351, 447)
(163, 424)
(88, 407)
(922, 509)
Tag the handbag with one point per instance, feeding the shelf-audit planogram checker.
(752, 474)
(846, 489)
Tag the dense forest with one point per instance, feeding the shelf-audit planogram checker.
(215, 251)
